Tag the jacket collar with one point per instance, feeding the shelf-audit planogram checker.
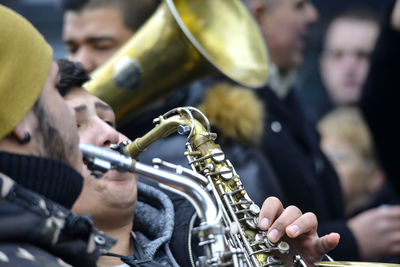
(50, 178)
(280, 84)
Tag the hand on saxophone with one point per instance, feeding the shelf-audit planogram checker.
(296, 228)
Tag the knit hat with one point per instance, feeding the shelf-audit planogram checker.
(25, 60)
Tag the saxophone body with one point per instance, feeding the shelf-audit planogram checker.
(244, 244)
(228, 230)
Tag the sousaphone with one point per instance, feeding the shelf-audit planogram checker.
(183, 41)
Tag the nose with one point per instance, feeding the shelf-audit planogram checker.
(350, 61)
(106, 134)
(312, 13)
(85, 57)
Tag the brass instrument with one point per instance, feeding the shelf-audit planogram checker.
(239, 213)
(183, 41)
(228, 229)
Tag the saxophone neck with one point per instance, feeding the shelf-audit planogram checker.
(179, 120)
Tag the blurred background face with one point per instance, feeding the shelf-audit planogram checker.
(347, 162)
(359, 178)
(284, 24)
(345, 61)
(347, 143)
(115, 193)
(93, 36)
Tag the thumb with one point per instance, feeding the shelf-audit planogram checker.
(327, 242)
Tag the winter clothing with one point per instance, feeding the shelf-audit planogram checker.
(161, 237)
(305, 175)
(35, 231)
(25, 60)
(379, 101)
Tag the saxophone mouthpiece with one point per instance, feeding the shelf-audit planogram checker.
(100, 160)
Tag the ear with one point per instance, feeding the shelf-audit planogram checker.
(25, 126)
(19, 132)
(257, 9)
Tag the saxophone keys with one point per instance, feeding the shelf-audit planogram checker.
(262, 240)
(273, 262)
(298, 261)
(217, 155)
(250, 221)
(192, 153)
(209, 167)
(234, 228)
(283, 247)
(255, 209)
(226, 173)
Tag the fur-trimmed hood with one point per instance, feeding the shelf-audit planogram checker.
(235, 111)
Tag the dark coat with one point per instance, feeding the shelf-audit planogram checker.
(38, 232)
(306, 177)
(380, 100)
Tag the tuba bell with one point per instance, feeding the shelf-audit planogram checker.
(183, 41)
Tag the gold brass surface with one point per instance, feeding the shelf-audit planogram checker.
(183, 41)
(206, 158)
(355, 263)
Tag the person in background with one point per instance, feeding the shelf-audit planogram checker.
(292, 145)
(95, 29)
(143, 218)
(346, 141)
(40, 162)
(344, 63)
(380, 95)
(379, 105)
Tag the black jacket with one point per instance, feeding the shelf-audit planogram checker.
(307, 179)
(34, 229)
(380, 100)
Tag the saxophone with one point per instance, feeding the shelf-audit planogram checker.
(228, 230)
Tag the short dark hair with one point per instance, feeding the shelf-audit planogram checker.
(134, 12)
(357, 13)
(72, 75)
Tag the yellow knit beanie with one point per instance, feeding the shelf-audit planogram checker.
(25, 60)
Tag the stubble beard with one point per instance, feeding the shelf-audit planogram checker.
(51, 144)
